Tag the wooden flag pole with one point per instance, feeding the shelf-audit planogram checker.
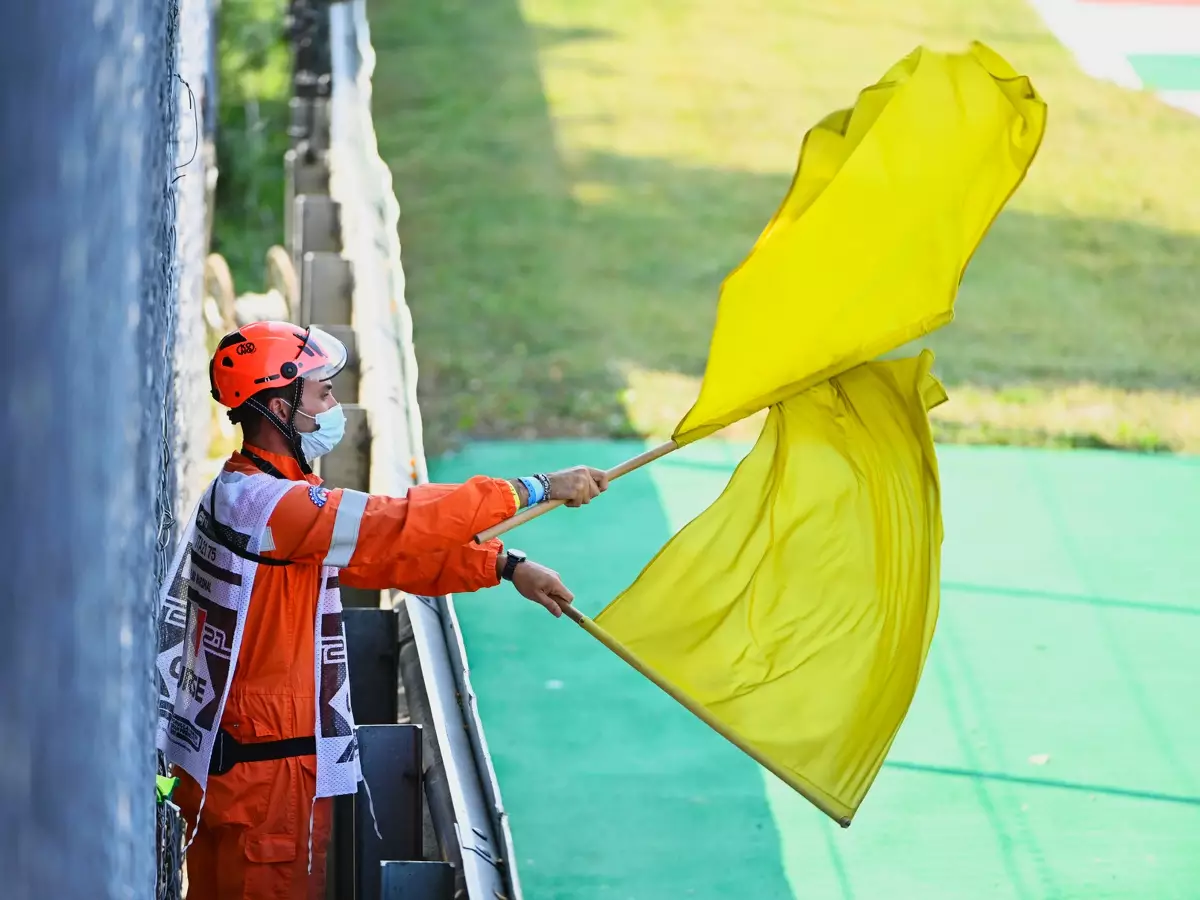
(807, 791)
(532, 512)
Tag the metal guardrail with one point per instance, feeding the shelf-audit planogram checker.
(443, 832)
(468, 816)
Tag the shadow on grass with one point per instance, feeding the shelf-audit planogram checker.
(536, 278)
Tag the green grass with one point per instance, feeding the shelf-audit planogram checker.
(254, 83)
(576, 179)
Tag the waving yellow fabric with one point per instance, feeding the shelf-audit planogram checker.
(889, 202)
(795, 613)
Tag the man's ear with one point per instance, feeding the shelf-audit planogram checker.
(280, 407)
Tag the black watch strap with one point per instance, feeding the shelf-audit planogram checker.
(515, 558)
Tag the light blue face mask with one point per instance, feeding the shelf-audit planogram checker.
(331, 427)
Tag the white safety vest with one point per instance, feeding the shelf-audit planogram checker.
(202, 614)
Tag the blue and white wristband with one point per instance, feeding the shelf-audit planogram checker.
(535, 488)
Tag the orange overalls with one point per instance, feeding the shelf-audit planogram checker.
(253, 837)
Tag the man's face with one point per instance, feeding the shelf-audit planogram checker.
(316, 397)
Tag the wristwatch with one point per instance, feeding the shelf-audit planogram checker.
(515, 558)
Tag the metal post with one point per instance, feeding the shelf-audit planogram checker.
(391, 762)
(308, 29)
(373, 654)
(315, 227)
(327, 286)
(417, 881)
(304, 173)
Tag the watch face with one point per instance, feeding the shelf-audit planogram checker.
(515, 558)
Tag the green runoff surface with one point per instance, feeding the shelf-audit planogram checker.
(1049, 752)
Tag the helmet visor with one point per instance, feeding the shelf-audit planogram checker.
(321, 356)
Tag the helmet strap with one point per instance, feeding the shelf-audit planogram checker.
(288, 428)
(297, 450)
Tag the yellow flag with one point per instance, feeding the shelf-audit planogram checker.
(889, 201)
(795, 613)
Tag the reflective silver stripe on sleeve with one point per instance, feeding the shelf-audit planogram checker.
(345, 528)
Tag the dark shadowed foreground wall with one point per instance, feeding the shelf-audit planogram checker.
(89, 103)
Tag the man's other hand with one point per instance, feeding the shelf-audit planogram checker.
(541, 585)
(577, 486)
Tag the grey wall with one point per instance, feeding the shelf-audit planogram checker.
(88, 114)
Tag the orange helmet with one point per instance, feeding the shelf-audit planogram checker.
(265, 355)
